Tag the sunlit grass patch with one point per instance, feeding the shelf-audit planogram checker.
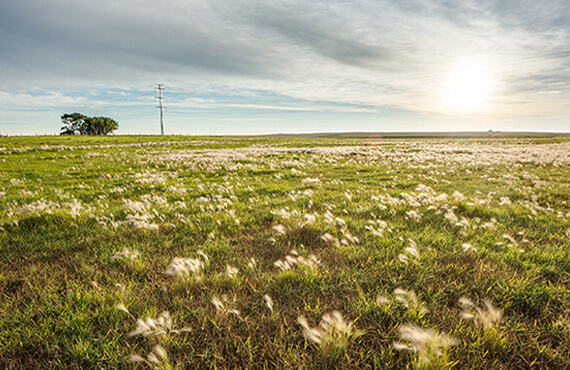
(391, 235)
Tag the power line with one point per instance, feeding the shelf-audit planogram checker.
(160, 87)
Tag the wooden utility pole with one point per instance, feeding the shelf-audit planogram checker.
(160, 87)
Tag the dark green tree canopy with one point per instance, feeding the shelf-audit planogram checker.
(77, 123)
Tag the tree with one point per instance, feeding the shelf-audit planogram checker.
(99, 126)
(78, 123)
(72, 123)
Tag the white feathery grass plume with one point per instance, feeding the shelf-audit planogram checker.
(283, 212)
(309, 193)
(409, 299)
(488, 318)
(126, 254)
(329, 217)
(157, 358)
(411, 251)
(340, 221)
(282, 265)
(381, 227)
(490, 225)
(136, 358)
(311, 262)
(268, 302)
(468, 248)
(514, 243)
(451, 217)
(309, 219)
(430, 346)
(349, 237)
(223, 306)
(464, 223)
(153, 327)
(203, 255)
(413, 215)
(186, 269)
(294, 260)
(158, 355)
(382, 300)
(328, 238)
(505, 201)
(231, 271)
(332, 334)
(14, 182)
(312, 334)
(211, 237)
(121, 307)
(311, 181)
(458, 196)
(466, 308)
(280, 229)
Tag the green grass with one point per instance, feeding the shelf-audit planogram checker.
(70, 204)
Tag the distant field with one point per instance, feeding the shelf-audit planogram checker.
(432, 135)
(228, 252)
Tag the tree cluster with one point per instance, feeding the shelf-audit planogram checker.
(77, 123)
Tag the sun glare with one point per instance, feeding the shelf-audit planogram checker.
(468, 87)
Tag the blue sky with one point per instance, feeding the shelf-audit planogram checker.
(258, 66)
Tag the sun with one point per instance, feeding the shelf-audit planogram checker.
(468, 87)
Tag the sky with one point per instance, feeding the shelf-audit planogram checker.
(273, 66)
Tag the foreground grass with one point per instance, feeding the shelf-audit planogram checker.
(298, 253)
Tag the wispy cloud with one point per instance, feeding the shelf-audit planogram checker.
(52, 99)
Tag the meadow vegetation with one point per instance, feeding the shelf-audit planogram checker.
(177, 252)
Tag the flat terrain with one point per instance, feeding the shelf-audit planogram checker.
(181, 252)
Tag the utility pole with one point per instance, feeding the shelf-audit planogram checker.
(160, 87)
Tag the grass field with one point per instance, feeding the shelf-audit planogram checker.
(177, 252)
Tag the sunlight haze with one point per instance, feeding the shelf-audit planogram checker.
(468, 87)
